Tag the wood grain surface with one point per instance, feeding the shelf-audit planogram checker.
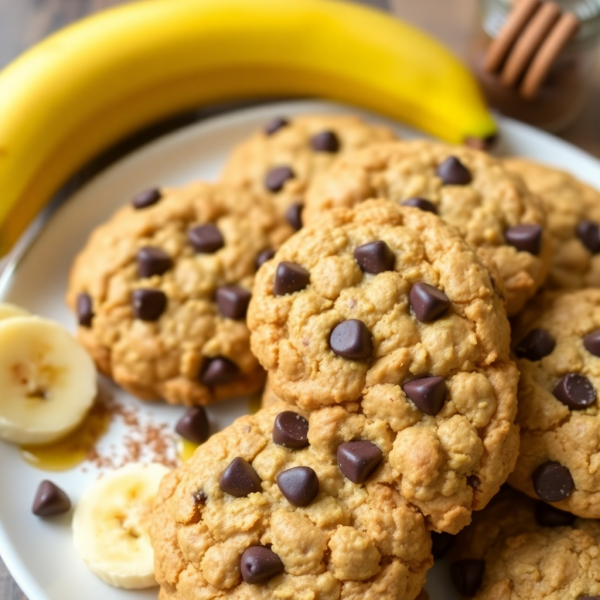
(24, 22)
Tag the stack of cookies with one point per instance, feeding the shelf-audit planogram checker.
(369, 281)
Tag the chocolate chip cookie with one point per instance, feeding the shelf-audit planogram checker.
(161, 292)
(470, 190)
(282, 505)
(520, 549)
(268, 397)
(387, 309)
(283, 158)
(557, 342)
(573, 210)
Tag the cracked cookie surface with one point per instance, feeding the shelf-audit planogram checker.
(162, 288)
(519, 549)
(441, 383)
(346, 541)
(573, 210)
(294, 151)
(557, 340)
(493, 210)
(440, 467)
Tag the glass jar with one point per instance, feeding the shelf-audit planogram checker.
(561, 95)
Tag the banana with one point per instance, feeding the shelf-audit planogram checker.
(8, 311)
(47, 379)
(84, 88)
(110, 525)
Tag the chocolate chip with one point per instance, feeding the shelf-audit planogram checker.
(263, 257)
(467, 575)
(552, 482)
(326, 141)
(259, 564)
(453, 172)
(290, 430)
(206, 238)
(276, 178)
(375, 257)
(146, 198)
(50, 500)
(589, 234)
(591, 342)
(441, 543)
(535, 345)
(275, 125)
(420, 203)
(233, 301)
(148, 304)
(525, 238)
(153, 261)
(85, 310)
(428, 303)
(293, 215)
(473, 481)
(289, 278)
(219, 371)
(427, 393)
(193, 426)
(299, 485)
(240, 479)
(588, 598)
(575, 391)
(199, 498)
(358, 460)
(351, 339)
(550, 516)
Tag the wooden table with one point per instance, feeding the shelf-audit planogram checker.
(24, 22)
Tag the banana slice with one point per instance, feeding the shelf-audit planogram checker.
(8, 311)
(47, 379)
(110, 525)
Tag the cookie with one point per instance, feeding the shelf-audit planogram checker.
(263, 510)
(161, 291)
(520, 549)
(387, 309)
(468, 189)
(445, 477)
(573, 210)
(283, 158)
(268, 397)
(557, 342)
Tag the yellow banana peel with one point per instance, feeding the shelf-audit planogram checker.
(90, 85)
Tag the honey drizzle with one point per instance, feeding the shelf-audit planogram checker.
(73, 449)
(254, 403)
(185, 449)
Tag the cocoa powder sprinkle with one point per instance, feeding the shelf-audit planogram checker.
(142, 440)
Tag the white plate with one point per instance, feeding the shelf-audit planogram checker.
(39, 553)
